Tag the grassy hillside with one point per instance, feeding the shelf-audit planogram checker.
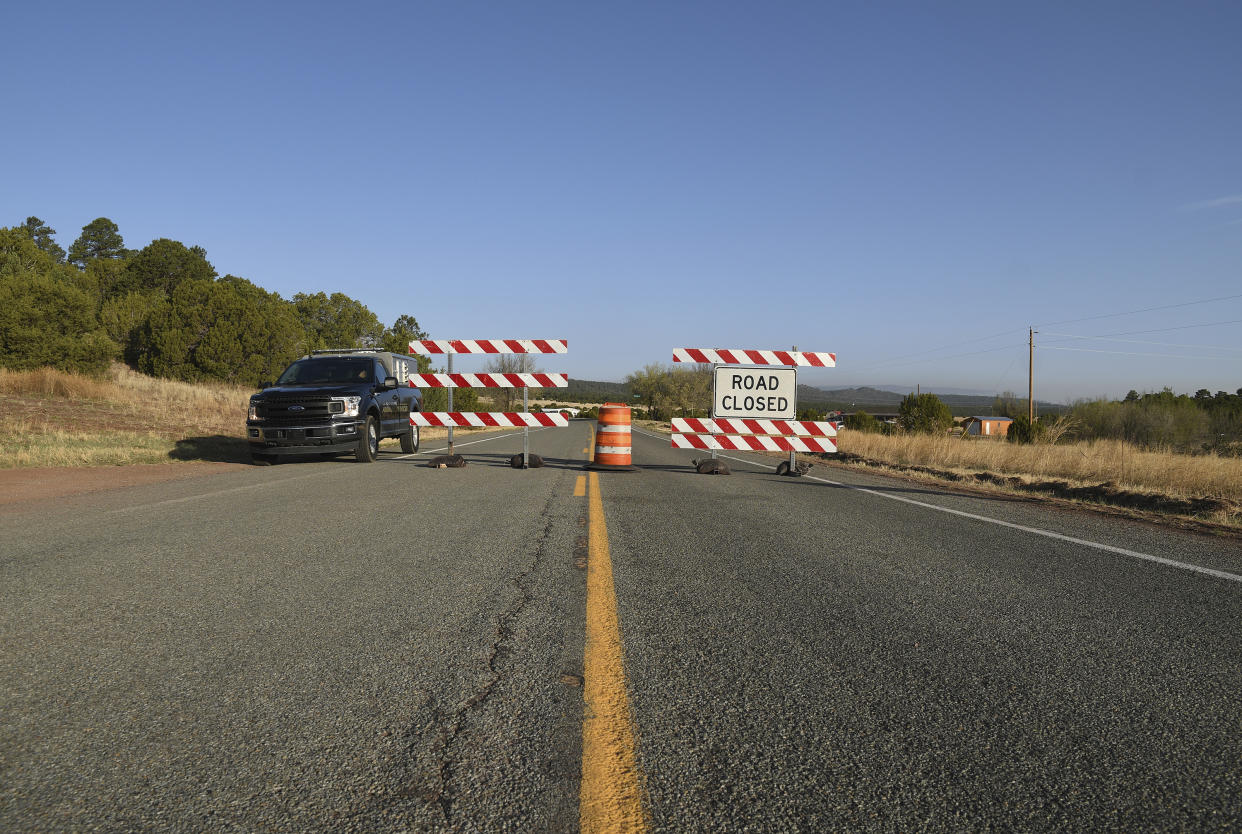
(52, 418)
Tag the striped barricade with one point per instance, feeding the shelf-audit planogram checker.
(489, 380)
(493, 419)
(433, 347)
(754, 443)
(735, 425)
(754, 435)
(524, 419)
(737, 356)
(743, 432)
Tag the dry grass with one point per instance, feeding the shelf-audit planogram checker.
(25, 444)
(133, 401)
(51, 418)
(1183, 476)
(1108, 473)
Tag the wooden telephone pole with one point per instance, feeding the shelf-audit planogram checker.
(1030, 379)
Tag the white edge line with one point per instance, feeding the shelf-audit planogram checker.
(1160, 560)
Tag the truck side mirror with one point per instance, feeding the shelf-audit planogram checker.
(390, 382)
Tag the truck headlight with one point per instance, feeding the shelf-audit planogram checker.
(352, 404)
(253, 413)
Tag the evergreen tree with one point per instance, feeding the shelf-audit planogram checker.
(100, 238)
(925, 413)
(42, 235)
(337, 321)
(228, 329)
(161, 266)
(44, 319)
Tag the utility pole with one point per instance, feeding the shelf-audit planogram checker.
(1030, 379)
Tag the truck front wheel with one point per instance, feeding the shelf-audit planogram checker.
(368, 441)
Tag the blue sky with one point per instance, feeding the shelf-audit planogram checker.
(908, 185)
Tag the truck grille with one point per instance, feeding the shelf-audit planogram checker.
(294, 410)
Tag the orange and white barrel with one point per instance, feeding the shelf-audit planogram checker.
(613, 447)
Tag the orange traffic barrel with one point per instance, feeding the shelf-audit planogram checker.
(612, 439)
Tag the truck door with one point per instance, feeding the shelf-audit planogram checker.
(389, 401)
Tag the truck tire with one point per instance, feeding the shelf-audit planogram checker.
(368, 441)
(409, 439)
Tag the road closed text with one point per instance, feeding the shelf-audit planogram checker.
(753, 392)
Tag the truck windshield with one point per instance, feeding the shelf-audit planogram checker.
(318, 371)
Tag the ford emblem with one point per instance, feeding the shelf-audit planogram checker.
(297, 408)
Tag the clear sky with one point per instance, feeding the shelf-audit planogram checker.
(908, 185)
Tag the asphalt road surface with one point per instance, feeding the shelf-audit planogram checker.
(327, 646)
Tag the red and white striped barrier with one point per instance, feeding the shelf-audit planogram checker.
(442, 346)
(754, 443)
(489, 380)
(722, 356)
(459, 419)
(737, 425)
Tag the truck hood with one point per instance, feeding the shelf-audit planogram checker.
(315, 391)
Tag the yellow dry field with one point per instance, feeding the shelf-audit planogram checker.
(1205, 488)
(1184, 476)
(51, 418)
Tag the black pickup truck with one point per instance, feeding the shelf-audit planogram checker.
(333, 402)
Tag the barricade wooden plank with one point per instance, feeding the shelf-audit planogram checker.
(460, 419)
(537, 380)
(736, 425)
(443, 346)
(754, 443)
(740, 356)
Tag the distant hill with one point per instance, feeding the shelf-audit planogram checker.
(865, 398)
(591, 391)
(877, 399)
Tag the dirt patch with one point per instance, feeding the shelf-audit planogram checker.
(43, 484)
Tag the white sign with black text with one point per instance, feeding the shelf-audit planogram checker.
(768, 393)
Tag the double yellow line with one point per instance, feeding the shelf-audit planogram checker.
(610, 799)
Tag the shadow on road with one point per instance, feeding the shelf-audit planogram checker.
(216, 449)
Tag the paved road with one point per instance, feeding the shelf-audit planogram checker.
(272, 650)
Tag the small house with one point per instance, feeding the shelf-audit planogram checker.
(988, 426)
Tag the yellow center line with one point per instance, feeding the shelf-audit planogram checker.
(611, 795)
(580, 486)
(590, 444)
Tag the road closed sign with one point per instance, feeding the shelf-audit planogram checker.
(755, 392)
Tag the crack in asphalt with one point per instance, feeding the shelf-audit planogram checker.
(441, 795)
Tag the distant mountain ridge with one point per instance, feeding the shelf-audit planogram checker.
(863, 398)
(867, 398)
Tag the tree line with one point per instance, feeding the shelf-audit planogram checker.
(165, 311)
(1204, 422)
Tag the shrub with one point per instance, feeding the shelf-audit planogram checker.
(862, 421)
(924, 413)
(1022, 430)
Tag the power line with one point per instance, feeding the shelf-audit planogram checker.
(1143, 342)
(1127, 353)
(1179, 327)
(951, 356)
(893, 359)
(1144, 310)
